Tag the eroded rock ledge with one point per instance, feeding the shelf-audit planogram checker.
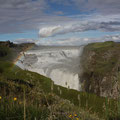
(101, 69)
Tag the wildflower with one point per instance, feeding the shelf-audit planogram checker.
(77, 118)
(75, 115)
(0, 97)
(15, 99)
(70, 116)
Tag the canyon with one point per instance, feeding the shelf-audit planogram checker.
(61, 64)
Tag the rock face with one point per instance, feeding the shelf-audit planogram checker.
(101, 69)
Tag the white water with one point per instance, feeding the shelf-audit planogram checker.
(61, 64)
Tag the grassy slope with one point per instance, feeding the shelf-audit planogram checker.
(13, 82)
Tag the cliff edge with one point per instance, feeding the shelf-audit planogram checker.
(101, 69)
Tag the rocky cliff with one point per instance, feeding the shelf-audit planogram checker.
(101, 69)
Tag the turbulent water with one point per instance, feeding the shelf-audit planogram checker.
(61, 64)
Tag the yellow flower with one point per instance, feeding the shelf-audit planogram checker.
(0, 97)
(77, 118)
(70, 116)
(15, 99)
(75, 115)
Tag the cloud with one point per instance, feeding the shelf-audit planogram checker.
(101, 6)
(21, 15)
(72, 41)
(24, 40)
(26, 4)
(62, 2)
(79, 27)
(104, 6)
(58, 13)
(49, 31)
(77, 41)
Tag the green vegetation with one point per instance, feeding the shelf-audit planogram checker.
(4, 53)
(97, 45)
(38, 98)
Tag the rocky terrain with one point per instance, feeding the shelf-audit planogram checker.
(101, 69)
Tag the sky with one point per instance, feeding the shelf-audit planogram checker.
(59, 22)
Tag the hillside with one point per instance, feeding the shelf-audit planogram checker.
(10, 51)
(26, 94)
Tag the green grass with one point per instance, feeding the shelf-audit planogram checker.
(100, 45)
(15, 79)
(57, 110)
(5, 53)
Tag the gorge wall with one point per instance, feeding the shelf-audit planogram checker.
(101, 69)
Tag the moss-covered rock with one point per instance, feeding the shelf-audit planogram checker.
(101, 69)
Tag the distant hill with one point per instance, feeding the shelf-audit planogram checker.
(9, 51)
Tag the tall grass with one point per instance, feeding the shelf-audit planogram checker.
(40, 107)
(38, 99)
(42, 85)
(24, 106)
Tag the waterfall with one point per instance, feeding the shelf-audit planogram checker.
(61, 64)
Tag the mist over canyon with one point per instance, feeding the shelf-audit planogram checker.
(61, 64)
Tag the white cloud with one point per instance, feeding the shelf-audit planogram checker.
(76, 41)
(72, 41)
(49, 31)
(79, 26)
(22, 15)
(24, 40)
